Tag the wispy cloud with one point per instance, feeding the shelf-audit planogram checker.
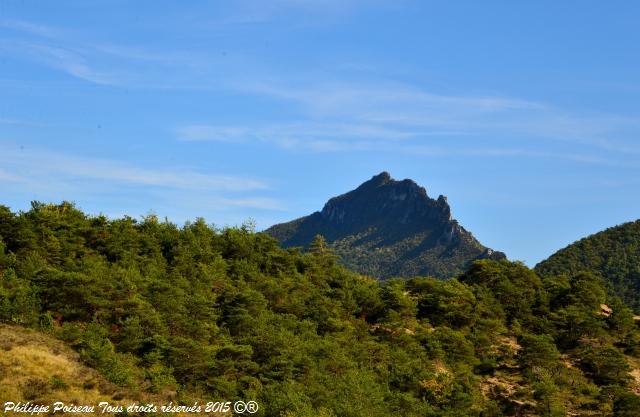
(44, 164)
(213, 133)
(350, 97)
(96, 61)
(510, 152)
(72, 63)
(300, 131)
(351, 117)
(325, 113)
(29, 27)
(52, 175)
(412, 109)
(49, 46)
(222, 203)
(51, 52)
(307, 12)
(363, 116)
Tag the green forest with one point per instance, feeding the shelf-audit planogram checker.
(197, 312)
(614, 253)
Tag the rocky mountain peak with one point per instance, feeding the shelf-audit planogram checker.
(382, 178)
(384, 214)
(385, 200)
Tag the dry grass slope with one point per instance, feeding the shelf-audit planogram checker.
(37, 368)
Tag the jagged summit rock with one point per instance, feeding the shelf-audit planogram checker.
(387, 228)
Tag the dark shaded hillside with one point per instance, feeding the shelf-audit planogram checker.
(195, 313)
(388, 228)
(614, 253)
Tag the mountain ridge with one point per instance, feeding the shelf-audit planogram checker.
(388, 227)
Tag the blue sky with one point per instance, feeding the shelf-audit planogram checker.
(525, 115)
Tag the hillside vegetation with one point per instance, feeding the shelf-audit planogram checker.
(199, 313)
(613, 253)
(37, 368)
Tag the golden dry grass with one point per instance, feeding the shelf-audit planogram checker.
(37, 368)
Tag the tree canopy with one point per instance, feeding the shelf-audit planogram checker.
(199, 312)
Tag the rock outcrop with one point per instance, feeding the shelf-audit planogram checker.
(388, 228)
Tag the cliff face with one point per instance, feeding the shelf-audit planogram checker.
(388, 228)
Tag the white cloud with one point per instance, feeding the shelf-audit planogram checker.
(74, 64)
(327, 115)
(212, 133)
(46, 175)
(29, 27)
(307, 12)
(397, 111)
(253, 203)
(301, 131)
(43, 165)
(332, 98)
(98, 62)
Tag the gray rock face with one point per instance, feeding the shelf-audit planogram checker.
(388, 228)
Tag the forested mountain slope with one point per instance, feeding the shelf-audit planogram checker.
(386, 228)
(196, 313)
(613, 253)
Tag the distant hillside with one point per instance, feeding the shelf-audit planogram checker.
(614, 253)
(388, 228)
